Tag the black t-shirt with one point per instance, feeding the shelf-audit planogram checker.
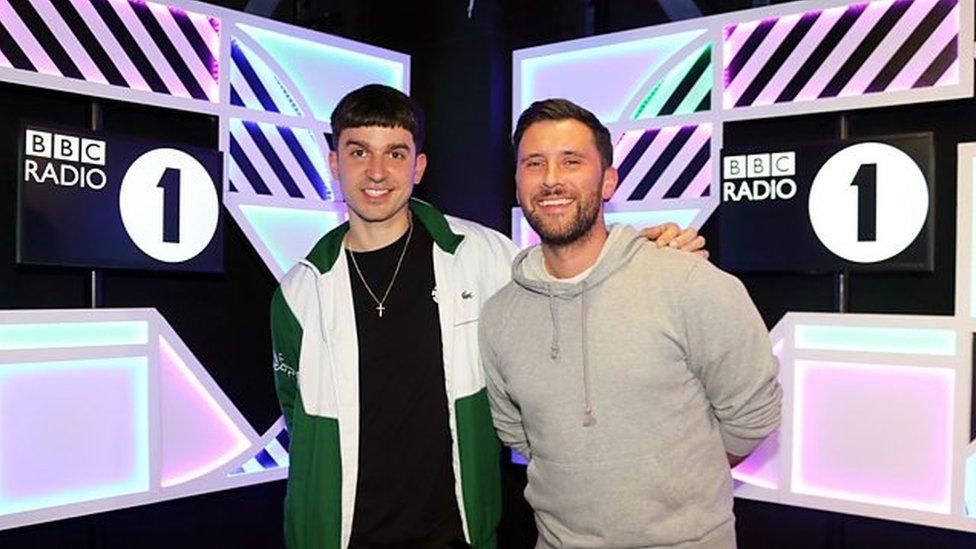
(405, 489)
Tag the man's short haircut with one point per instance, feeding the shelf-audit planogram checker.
(378, 105)
(562, 109)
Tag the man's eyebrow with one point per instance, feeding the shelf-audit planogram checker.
(397, 146)
(355, 143)
(533, 155)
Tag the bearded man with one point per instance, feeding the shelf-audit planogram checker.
(632, 377)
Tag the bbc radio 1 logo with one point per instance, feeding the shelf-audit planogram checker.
(866, 202)
(767, 176)
(64, 160)
(166, 198)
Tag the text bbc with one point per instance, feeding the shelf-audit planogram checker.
(64, 160)
(766, 176)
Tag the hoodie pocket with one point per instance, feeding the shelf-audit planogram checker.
(624, 503)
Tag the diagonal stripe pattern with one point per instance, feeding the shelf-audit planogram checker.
(875, 47)
(126, 43)
(684, 89)
(272, 456)
(271, 160)
(255, 86)
(267, 159)
(663, 163)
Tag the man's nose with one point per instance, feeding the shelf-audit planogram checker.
(552, 178)
(376, 169)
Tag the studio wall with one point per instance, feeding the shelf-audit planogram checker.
(461, 71)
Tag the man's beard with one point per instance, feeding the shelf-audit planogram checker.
(587, 210)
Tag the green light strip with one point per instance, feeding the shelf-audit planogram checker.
(698, 92)
(59, 335)
(659, 94)
(875, 340)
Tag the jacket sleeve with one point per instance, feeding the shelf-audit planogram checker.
(730, 352)
(504, 411)
(286, 340)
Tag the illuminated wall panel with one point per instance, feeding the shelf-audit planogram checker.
(631, 66)
(323, 72)
(874, 433)
(15, 337)
(104, 409)
(199, 435)
(128, 44)
(73, 431)
(846, 51)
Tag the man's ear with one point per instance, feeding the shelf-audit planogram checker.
(419, 167)
(609, 182)
(334, 165)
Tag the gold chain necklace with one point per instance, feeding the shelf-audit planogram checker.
(379, 302)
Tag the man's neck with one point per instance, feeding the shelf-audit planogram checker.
(571, 259)
(366, 236)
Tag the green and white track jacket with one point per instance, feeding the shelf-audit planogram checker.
(316, 367)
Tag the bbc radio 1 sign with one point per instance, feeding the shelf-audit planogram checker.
(827, 206)
(99, 200)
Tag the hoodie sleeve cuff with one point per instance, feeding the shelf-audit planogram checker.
(738, 446)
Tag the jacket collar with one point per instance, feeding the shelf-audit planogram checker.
(326, 251)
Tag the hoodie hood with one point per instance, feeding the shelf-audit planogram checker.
(529, 272)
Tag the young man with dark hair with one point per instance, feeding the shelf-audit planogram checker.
(632, 377)
(376, 353)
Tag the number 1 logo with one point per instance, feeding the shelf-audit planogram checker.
(169, 205)
(868, 202)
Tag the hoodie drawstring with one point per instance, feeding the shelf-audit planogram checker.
(554, 346)
(589, 418)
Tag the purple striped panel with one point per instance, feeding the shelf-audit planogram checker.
(201, 73)
(32, 48)
(800, 54)
(900, 60)
(239, 85)
(661, 141)
(112, 47)
(680, 161)
(734, 89)
(264, 169)
(199, 53)
(124, 10)
(209, 29)
(289, 160)
(675, 169)
(735, 38)
(843, 50)
(69, 41)
(700, 184)
(947, 30)
(281, 161)
(859, 83)
(624, 145)
(950, 76)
